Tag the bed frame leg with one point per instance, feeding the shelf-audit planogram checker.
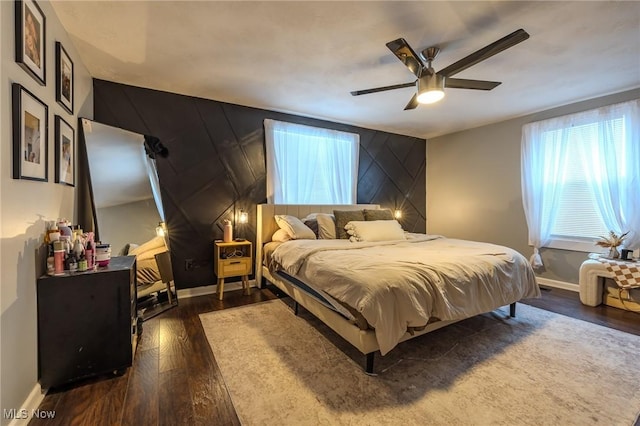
(369, 367)
(512, 310)
(295, 308)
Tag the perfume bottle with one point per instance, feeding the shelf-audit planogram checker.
(88, 254)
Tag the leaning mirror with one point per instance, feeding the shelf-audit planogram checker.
(127, 208)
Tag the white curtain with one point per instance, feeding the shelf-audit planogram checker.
(613, 162)
(310, 165)
(543, 158)
(152, 171)
(616, 168)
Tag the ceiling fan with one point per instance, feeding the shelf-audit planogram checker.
(431, 84)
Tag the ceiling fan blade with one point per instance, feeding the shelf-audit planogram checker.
(382, 89)
(413, 103)
(485, 53)
(461, 83)
(405, 53)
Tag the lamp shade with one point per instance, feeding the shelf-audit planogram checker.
(430, 88)
(243, 217)
(161, 229)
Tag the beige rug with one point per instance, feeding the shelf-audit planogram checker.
(539, 368)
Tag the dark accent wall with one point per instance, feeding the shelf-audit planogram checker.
(216, 166)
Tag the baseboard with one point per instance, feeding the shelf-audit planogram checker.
(547, 282)
(211, 289)
(29, 409)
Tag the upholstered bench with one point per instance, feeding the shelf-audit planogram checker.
(592, 274)
(622, 291)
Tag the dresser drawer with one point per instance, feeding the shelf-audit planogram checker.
(234, 267)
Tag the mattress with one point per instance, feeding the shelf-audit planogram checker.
(349, 313)
(396, 285)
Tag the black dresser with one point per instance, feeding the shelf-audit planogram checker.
(87, 323)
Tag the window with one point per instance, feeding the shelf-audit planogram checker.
(310, 165)
(580, 176)
(578, 214)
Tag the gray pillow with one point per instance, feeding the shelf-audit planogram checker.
(380, 214)
(313, 224)
(125, 250)
(342, 218)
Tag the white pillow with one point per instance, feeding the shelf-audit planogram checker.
(280, 236)
(326, 226)
(374, 230)
(154, 243)
(295, 227)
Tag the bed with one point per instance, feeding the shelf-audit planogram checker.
(147, 271)
(376, 292)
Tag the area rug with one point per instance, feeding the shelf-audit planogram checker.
(539, 368)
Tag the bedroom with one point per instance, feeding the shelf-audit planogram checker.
(474, 188)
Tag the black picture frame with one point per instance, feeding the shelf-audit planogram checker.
(65, 146)
(64, 78)
(31, 52)
(30, 122)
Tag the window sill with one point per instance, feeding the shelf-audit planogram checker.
(586, 246)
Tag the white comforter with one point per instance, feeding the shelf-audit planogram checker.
(400, 284)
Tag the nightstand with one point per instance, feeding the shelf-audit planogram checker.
(234, 259)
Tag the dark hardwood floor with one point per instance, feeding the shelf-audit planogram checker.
(175, 379)
(568, 303)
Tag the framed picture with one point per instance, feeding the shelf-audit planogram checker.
(65, 152)
(30, 129)
(30, 39)
(64, 78)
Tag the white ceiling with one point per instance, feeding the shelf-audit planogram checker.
(305, 57)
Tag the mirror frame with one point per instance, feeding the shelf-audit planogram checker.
(157, 305)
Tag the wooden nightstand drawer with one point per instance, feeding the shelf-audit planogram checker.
(234, 267)
(233, 259)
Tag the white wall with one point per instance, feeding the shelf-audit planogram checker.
(128, 223)
(26, 206)
(474, 192)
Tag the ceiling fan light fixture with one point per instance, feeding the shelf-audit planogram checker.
(431, 85)
(430, 97)
(430, 88)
